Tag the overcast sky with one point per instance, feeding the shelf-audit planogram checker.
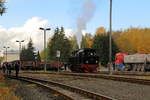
(24, 17)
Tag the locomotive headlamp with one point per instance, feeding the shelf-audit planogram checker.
(96, 61)
(91, 54)
(87, 61)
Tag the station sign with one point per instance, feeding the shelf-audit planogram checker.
(57, 53)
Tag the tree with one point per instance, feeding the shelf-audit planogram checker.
(27, 54)
(87, 41)
(38, 57)
(101, 44)
(134, 40)
(1, 59)
(74, 44)
(100, 30)
(30, 51)
(23, 54)
(2, 7)
(42, 54)
(59, 42)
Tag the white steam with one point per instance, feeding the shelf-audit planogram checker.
(87, 13)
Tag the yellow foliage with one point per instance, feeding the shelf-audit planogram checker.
(89, 43)
(1, 77)
(134, 40)
(100, 30)
(6, 92)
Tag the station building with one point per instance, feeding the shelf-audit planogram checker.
(11, 56)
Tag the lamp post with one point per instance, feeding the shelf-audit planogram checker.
(20, 48)
(45, 53)
(110, 39)
(6, 51)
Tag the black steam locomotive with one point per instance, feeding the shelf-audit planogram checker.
(83, 60)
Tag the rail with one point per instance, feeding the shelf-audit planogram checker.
(44, 86)
(116, 77)
(84, 92)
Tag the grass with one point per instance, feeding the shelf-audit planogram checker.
(6, 93)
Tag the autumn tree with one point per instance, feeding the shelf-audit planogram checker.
(134, 40)
(87, 41)
(100, 30)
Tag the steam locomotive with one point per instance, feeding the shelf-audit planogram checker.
(83, 60)
(134, 62)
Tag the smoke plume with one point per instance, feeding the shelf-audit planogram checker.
(87, 13)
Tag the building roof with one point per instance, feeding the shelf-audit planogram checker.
(12, 52)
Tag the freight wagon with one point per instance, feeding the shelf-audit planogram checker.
(134, 62)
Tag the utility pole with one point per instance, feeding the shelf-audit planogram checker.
(45, 53)
(110, 39)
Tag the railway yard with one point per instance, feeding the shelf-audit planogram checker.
(102, 88)
(74, 50)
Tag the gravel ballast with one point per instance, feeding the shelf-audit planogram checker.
(114, 89)
(28, 91)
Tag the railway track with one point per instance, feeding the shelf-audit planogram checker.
(113, 77)
(117, 77)
(64, 90)
(106, 72)
(127, 73)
